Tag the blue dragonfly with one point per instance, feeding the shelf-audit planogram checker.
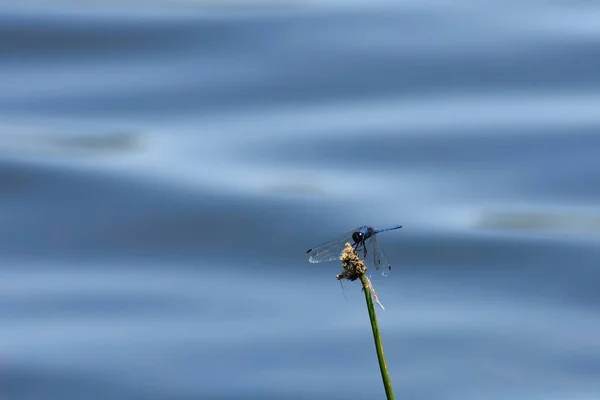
(363, 239)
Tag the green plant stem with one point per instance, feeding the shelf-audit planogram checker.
(385, 374)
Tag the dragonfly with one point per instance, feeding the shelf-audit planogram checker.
(363, 239)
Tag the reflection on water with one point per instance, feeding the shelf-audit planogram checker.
(562, 223)
(162, 171)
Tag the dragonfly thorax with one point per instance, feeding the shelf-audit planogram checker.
(364, 233)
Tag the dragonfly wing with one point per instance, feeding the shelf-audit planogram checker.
(332, 250)
(377, 257)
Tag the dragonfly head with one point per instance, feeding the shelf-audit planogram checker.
(358, 237)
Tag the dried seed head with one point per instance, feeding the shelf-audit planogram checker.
(353, 266)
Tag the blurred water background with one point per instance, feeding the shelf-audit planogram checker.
(165, 165)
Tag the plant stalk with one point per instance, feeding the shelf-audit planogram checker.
(385, 373)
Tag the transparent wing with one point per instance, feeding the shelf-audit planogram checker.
(376, 256)
(332, 250)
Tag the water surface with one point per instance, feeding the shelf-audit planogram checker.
(164, 167)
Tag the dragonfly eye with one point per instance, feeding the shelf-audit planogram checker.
(357, 237)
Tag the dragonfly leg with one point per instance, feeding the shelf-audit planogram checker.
(360, 245)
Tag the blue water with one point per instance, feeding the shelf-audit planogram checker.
(164, 167)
